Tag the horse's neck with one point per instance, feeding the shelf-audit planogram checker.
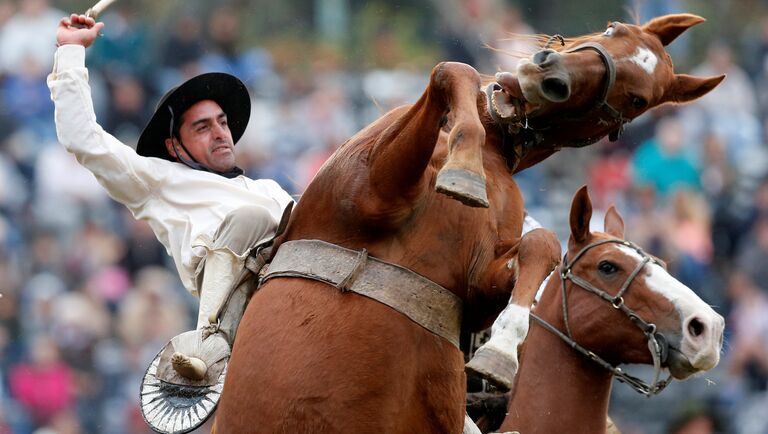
(557, 389)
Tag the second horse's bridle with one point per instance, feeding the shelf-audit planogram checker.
(657, 344)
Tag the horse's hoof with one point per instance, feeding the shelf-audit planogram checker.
(189, 367)
(494, 367)
(465, 186)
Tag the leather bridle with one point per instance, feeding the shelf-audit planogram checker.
(616, 117)
(657, 343)
(525, 134)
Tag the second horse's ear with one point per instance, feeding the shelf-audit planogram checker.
(614, 224)
(581, 214)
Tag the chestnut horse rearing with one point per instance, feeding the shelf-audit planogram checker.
(312, 357)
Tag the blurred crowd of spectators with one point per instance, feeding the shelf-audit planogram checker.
(89, 296)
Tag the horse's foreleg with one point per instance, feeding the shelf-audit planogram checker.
(462, 176)
(404, 149)
(496, 360)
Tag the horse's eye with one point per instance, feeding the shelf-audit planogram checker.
(638, 102)
(609, 31)
(607, 268)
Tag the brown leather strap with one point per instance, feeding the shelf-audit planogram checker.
(423, 301)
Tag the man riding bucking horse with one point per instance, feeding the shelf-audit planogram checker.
(182, 179)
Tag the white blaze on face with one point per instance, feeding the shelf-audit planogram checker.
(703, 352)
(660, 281)
(645, 59)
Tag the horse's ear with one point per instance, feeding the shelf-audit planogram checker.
(581, 213)
(686, 87)
(669, 27)
(614, 224)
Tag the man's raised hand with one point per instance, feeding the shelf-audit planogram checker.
(78, 29)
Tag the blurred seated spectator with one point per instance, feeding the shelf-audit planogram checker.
(717, 173)
(24, 95)
(696, 417)
(185, 45)
(747, 357)
(65, 190)
(642, 223)
(141, 247)
(44, 385)
(609, 176)
(689, 239)
(752, 257)
(127, 114)
(515, 40)
(730, 110)
(125, 46)
(662, 162)
(225, 53)
(155, 296)
(181, 52)
(79, 320)
(14, 190)
(35, 24)
(64, 422)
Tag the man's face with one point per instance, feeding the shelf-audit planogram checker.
(204, 131)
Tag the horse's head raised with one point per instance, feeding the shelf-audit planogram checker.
(641, 302)
(594, 84)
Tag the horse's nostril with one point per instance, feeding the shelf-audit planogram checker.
(541, 56)
(555, 89)
(695, 327)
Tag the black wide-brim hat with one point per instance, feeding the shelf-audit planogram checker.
(226, 90)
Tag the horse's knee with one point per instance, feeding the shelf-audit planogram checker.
(445, 75)
(542, 246)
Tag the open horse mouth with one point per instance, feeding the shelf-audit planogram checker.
(510, 85)
(679, 365)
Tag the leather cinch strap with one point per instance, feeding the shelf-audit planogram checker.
(423, 301)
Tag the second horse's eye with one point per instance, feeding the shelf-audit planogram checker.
(607, 268)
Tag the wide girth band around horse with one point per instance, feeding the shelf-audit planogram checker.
(311, 358)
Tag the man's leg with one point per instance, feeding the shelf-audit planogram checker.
(223, 268)
(240, 231)
(183, 384)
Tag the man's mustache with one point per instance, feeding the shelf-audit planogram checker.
(218, 143)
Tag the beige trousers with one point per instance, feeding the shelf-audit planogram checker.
(242, 230)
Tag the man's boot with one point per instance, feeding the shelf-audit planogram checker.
(183, 384)
(195, 352)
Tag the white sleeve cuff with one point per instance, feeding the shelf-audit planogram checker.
(69, 56)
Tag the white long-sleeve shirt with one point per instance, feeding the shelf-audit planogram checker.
(183, 206)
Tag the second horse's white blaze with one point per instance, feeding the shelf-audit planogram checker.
(703, 354)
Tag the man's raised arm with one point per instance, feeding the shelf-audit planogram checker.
(127, 176)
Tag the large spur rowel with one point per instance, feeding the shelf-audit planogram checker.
(180, 406)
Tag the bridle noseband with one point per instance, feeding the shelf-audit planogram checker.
(657, 344)
(527, 135)
(616, 116)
